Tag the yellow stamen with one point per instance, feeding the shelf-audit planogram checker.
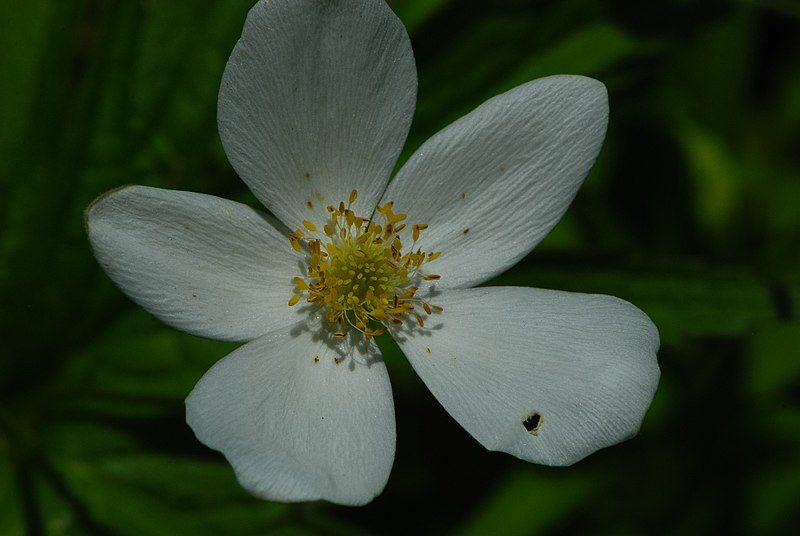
(300, 283)
(358, 273)
(394, 218)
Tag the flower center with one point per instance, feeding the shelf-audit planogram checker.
(358, 273)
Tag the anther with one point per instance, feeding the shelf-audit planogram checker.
(360, 275)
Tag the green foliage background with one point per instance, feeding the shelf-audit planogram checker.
(691, 214)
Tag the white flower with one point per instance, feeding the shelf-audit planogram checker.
(316, 102)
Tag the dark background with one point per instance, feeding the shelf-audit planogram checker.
(691, 213)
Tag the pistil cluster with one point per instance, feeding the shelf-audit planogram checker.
(358, 272)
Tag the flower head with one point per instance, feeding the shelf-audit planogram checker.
(314, 107)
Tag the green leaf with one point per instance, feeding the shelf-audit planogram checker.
(22, 38)
(499, 53)
(587, 51)
(682, 299)
(772, 377)
(528, 502)
(716, 176)
(138, 367)
(772, 499)
(131, 491)
(707, 77)
(415, 13)
(124, 94)
(12, 520)
(56, 515)
(774, 360)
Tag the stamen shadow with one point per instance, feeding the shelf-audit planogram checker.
(410, 328)
(353, 350)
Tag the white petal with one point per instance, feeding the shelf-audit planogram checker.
(586, 364)
(297, 429)
(317, 99)
(493, 184)
(202, 264)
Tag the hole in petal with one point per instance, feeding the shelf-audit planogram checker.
(533, 423)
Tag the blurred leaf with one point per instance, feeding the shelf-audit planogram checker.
(500, 53)
(773, 380)
(788, 101)
(56, 516)
(772, 501)
(703, 88)
(783, 7)
(772, 175)
(707, 78)
(528, 502)
(138, 493)
(716, 178)
(124, 95)
(137, 367)
(683, 300)
(771, 219)
(774, 360)
(414, 13)
(12, 521)
(467, 73)
(587, 51)
(22, 38)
